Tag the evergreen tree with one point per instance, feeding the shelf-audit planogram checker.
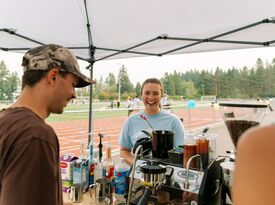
(178, 84)
(111, 79)
(260, 78)
(189, 90)
(244, 82)
(138, 89)
(98, 87)
(271, 74)
(126, 85)
(8, 83)
(218, 81)
(253, 88)
(168, 84)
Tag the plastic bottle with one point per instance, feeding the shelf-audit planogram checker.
(97, 166)
(80, 176)
(83, 150)
(91, 148)
(81, 167)
(107, 164)
(110, 163)
(109, 149)
(104, 165)
(91, 162)
(120, 181)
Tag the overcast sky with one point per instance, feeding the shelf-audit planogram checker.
(144, 67)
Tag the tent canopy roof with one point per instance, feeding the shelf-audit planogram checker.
(119, 28)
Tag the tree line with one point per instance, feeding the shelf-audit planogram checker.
(9, 83)
(244, 83)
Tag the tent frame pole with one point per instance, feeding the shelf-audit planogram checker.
(92, 49)
(91, 66)
(196, 41)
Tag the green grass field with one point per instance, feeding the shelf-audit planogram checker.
(101, 110)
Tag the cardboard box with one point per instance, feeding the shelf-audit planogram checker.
(66, 166)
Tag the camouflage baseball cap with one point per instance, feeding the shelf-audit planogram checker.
(51, 56)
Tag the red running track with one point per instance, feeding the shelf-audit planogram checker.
(69, 132)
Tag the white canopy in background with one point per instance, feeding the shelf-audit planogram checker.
(117, 25)
(120, 28)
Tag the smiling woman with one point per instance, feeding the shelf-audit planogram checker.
(152, 92)
(133, 130)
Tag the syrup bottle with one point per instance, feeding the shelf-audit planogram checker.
(107, 164)
(190, 149)
(202, 149)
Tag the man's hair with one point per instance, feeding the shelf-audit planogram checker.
(152, 80)
(31, 77)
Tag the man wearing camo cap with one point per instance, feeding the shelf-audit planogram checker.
(29, 148)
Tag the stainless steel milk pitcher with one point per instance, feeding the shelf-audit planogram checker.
(75, 193)
(102, 188)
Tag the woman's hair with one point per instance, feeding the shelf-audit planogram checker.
(31, 77)
(152, 80)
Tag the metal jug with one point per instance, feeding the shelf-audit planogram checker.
(75, 193)
(102, 191)
(162, 142)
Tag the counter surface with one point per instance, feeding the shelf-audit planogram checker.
(87, 200)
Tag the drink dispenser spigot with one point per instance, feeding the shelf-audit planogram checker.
(100, 146)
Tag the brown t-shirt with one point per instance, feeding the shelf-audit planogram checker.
(29, 160)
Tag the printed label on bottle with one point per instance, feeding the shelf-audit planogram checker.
(120, 182)
(77, 176)
(91, 176)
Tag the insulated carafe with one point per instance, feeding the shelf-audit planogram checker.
(162, 142)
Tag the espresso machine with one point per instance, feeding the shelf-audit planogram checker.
(159, 181)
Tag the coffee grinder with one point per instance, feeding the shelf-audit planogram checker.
(238, 117)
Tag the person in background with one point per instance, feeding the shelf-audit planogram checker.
(29, 147)
(268, 104)
(136, 104)
(130, 106)
(254, 177)
(164, 100)
(152, 92)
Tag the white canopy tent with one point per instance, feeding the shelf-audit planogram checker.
(102, 29)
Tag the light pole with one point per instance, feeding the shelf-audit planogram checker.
(119, 85)
(118, 88)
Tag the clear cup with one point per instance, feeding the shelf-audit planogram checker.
(212, 146)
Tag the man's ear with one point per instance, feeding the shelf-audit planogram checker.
(51, 75)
